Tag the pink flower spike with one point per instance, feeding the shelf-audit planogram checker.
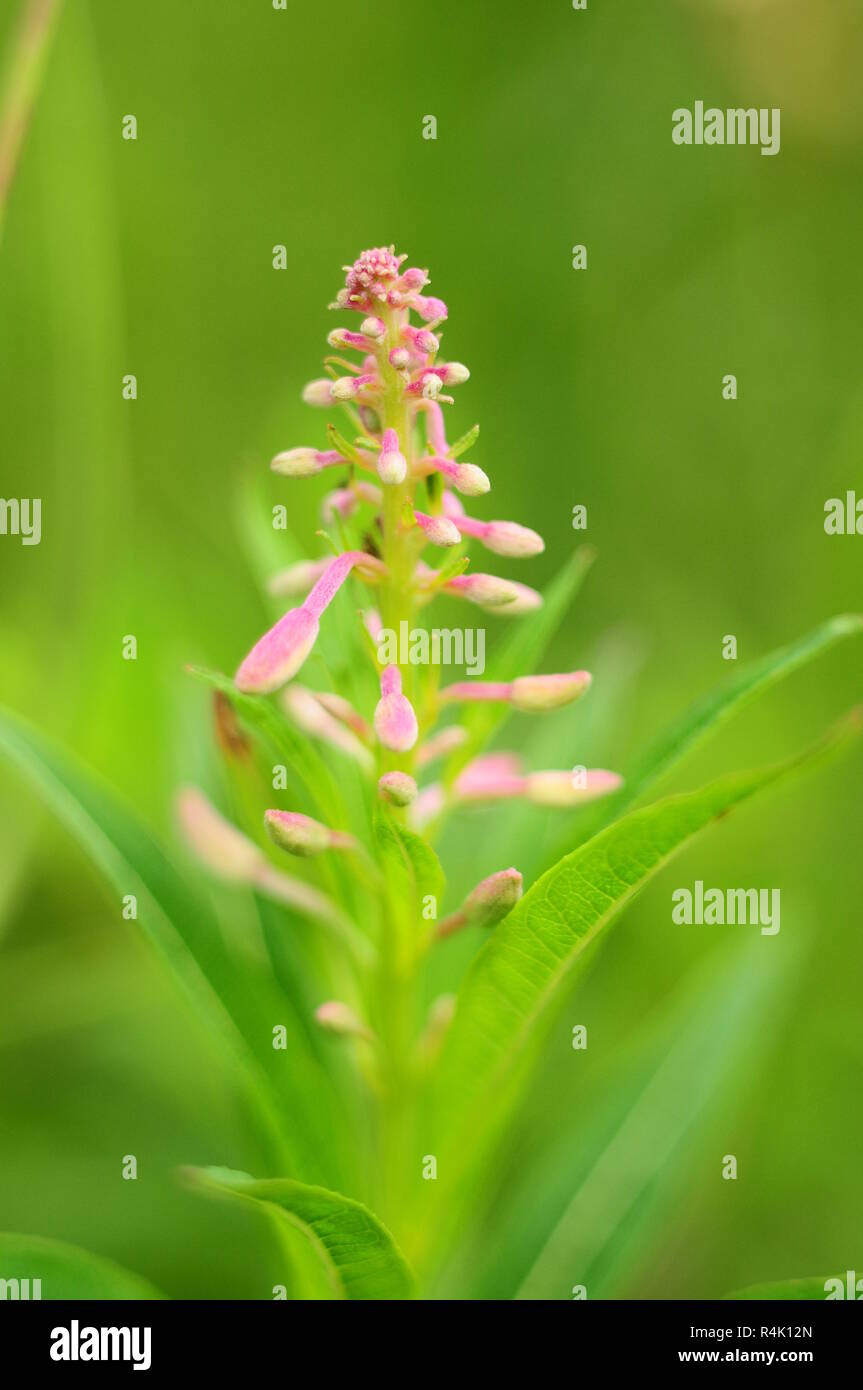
(302, 835)
(484, 589)
(439, 530)
(397, 788)
(392, 466)
(570, 788)
(395, 721)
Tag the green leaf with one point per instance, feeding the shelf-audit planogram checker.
(812, 1289)
(519, 655)
(629, 1158)
(408, 857)
(513, 984)
(66, 1271)
(239, 1006)
(709, 714)
(359, 1255)
(467, 441)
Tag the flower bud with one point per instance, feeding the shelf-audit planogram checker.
(222, 848)
(298, 578)
(318, 392)
(395, 721)
(302, 835)
(531, 693)
(392, 466)
(429, 308)
(560, 789)
(488, 904)
(470, 480)
(373, 327)
(487, 590)
(298, 463)
(397, 788)
(525, 600)
(452, 373)
(439, 530)
(399, 358)
(344, 388)
(508, 538)
(279, 654)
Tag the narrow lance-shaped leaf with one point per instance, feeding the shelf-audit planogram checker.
(510, 990)
(359, 1254)
(183, 929)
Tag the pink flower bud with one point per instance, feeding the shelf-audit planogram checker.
(414, 279)
(526, 600)
(318, 392)
(466, 477)
(373, 327)
(342, 709)
(298, 463)
(398, 788)
(427, 807)
(302, 835)
(531, 693)
(399, 358)
(395, 721)
(340, 1018)
(429, 309)
(568, 789)
(279, 654)
(392, 466)
(494, 777)
(439, 530)
(501, 537)
(488, 904)
(344, 338)
(487, 590)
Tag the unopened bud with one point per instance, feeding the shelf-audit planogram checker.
(302, 835)
(531, 693)
(340, 1018)
(397, 788)
(298, 463)
(395, 721)
(318, 392)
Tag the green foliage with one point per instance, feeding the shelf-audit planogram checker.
(360, 1256)
(67, 1272)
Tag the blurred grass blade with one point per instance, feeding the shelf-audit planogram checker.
(520, 654)
(22, 77)
(360, 1256)
(812, 1289)
(183, 929)
(629, 1156)
(66, 1271)
(509, 993)
(709, 714)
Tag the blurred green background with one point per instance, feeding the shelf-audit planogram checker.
(603, 387)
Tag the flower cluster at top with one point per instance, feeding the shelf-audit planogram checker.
(399, 466)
